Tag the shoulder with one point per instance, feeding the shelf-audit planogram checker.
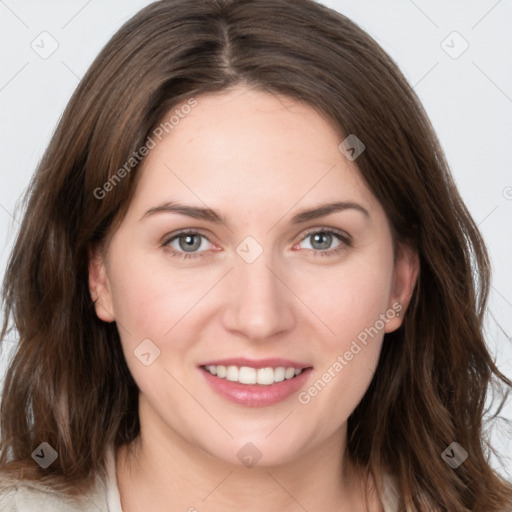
(390, 497)
(26, 496)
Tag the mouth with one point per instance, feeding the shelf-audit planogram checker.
(255, 383)
(249, 375)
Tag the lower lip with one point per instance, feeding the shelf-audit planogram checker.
(252, 395)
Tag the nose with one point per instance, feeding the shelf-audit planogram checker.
(259, 304)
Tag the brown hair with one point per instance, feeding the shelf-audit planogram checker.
(69, 384)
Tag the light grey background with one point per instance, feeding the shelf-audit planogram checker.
(467, 94)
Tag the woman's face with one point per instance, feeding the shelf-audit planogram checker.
(257, 282)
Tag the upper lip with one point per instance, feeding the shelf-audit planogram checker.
(273, 362)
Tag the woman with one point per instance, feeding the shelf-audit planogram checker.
(244, 280)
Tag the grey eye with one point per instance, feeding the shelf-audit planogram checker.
(322, 240)
(187, 242)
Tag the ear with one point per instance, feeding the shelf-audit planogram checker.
(99, 286)
(405, 274)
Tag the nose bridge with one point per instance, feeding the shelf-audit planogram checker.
(260, 304)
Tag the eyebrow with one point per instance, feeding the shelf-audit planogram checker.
(211, 215)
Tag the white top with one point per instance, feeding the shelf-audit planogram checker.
(23, 496)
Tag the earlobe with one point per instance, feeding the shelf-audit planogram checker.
(405, 275)
(99, 286)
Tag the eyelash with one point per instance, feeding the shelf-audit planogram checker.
(345, 239)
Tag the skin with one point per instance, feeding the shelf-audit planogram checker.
(258, 159)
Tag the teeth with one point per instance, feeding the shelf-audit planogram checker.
(280, 374)
(290, 373)
(248, 375)
(266, 376)
(232, 373)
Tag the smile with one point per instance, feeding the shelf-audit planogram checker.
(248, 375)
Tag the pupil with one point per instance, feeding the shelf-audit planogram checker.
(189, 244)
(317, 238)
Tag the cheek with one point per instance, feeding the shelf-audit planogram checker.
(152, 304)
(351, 298)
(347, 359)
(139, 306)
(337, 389)
(150, 299)
(351, 305)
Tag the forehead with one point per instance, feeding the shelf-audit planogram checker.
(250, 151)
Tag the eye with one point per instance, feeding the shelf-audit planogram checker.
(186, 244)
(192, 244)
(321, 241)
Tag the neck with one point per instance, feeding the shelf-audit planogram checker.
(162, 471)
